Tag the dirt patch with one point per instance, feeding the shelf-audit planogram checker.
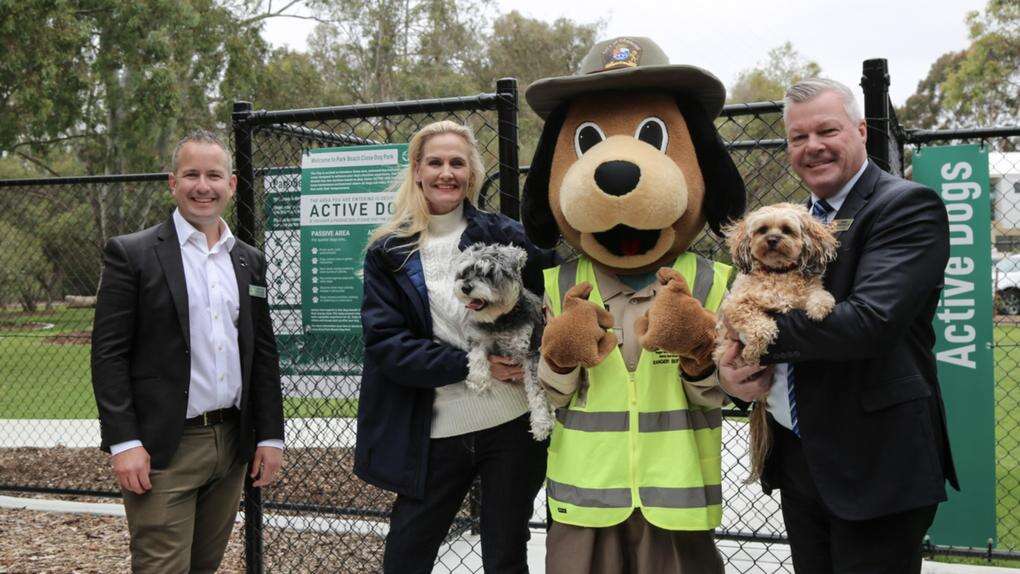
(49, 542)
(77, 338)
(59, 467)
(52, 543)
(315, 484)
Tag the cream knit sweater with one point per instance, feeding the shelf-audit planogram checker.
(457, 410)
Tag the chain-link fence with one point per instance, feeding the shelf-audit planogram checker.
(1003, 147)
(52, 233)
(319, 516)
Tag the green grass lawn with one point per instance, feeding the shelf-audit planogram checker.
(1007, 439)
(44, 373)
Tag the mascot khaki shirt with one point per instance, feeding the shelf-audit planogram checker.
(626, 305)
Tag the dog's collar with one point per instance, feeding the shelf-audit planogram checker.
(772, 271)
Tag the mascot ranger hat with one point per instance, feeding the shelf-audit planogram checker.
(628, 63)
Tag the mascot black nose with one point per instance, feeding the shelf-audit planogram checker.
(466, 288)
(617, 177)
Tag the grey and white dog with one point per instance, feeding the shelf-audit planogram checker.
(504, 319)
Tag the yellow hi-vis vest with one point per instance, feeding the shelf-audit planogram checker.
(633, 441)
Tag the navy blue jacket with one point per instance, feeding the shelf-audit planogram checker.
(403, 364)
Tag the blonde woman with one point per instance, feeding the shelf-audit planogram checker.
(421, 432)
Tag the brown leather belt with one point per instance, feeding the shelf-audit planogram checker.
(213, 417)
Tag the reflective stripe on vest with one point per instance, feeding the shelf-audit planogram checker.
(694, 497)
(647, 422)
(635, 442)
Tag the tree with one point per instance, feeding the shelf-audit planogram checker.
(292, 80)
(43, 76)
(768, 80)
(530, 49)
(383, 50)
(765, 169)
(24, 269)
(116, 83)
(975, 87)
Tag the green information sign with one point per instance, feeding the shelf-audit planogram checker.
(343, 198)
(963, 326)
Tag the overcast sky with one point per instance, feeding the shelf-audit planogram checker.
(727, 36)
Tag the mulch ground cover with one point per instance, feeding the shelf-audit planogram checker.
(315, 483)
(310, 477)
(57, 543)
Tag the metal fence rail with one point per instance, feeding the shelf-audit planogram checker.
(319, 516)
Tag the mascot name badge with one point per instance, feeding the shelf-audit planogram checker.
(343, 198)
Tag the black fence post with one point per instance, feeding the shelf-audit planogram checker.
(875, 83)
(245, 173)
(246, 232)
(509, 164)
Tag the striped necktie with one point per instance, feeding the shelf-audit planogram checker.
(820, 210)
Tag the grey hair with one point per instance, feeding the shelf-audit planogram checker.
(203, 137)
(811, 88)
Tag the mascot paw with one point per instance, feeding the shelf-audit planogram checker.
(580, 334)
(677, 323)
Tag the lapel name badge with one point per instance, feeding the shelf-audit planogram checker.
(842, 224)
(257, 291)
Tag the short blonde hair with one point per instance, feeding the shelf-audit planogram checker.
(411, 210)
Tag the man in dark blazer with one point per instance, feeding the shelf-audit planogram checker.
(185, 369)
(860, 449)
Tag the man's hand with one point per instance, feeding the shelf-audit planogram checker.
(268, 460)
(747, 383)
(505, 370)
(131, 467)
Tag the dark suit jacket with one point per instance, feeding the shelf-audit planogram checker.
(141, 364)
(869, 407)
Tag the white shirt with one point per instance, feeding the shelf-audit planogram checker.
(779, 396)
(213, 307)
(457, 410)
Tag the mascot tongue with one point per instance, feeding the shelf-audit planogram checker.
(630, 246)
(475, 304)
(627, 241)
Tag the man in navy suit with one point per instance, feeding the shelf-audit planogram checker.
(185, 369)
(860, 451)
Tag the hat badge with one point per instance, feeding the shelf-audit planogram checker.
(622, 53)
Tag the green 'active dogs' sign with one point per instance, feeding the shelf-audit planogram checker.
(963, 348)
(343, 198)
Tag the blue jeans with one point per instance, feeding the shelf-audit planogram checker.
(511, 465)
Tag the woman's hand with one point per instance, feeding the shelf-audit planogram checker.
(505, 370)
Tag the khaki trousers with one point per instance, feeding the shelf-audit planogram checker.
(183, 524)
(632, 547)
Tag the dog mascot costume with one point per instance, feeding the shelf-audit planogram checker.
(629, 169)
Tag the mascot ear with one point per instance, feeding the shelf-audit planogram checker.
(537, 216)
(725, 196)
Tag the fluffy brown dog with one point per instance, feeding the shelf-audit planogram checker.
(781, 252)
